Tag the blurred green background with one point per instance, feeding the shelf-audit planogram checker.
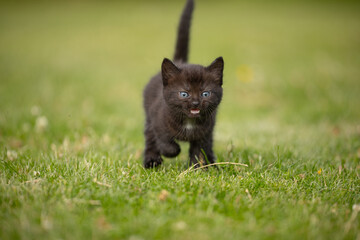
(85, 63)
(71, 81)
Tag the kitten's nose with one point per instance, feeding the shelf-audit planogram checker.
(195, 103)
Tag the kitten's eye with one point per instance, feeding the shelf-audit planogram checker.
(184, 94)
(206, 94)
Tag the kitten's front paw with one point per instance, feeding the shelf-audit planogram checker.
(170, 150)
(153, 161)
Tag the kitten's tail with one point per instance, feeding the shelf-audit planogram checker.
(182, 42)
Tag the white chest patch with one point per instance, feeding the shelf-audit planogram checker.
(189, 125)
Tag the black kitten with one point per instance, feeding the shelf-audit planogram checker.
(180, 103)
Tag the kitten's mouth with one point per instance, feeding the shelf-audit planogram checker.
(195, 111)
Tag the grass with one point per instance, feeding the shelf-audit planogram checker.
(71, 122)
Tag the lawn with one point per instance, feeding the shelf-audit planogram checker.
(71, 122)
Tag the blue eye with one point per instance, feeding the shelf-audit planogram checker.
(206, 94)
(184, 94)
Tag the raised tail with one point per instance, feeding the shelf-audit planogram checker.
(182, 42)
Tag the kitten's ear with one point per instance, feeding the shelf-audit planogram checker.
(217, 68)
(168, 71)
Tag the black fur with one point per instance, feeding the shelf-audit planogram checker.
(182, 43)
(170, 116)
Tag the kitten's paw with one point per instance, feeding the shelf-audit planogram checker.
(201, 165)
(153, 161)
(170, 150)
(201, 161)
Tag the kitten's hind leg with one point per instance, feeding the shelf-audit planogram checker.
(152, 156)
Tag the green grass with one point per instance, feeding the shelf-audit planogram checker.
(71, 122)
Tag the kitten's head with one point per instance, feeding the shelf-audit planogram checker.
(193, 90)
